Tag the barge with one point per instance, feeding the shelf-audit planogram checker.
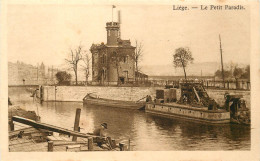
(195, 104)
(91, 99)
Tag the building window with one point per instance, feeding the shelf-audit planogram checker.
(108, 32)
(126, 74)
(126, 59)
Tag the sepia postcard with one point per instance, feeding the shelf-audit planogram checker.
(130, 80)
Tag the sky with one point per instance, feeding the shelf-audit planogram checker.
(45, 33)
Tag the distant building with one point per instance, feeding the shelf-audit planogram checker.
(113, 62)
(20, 73)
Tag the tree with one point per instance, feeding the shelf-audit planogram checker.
(182, 58)
(227, 74)
(63, 77)
(76, 56)
(237, 72)
(138, 54)
(246, 74)
(86, 59)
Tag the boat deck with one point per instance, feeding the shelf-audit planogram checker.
(35, 140)
(205, 109)
(188, 112)
(43, 137)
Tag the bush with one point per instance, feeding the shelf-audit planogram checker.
(63, 78)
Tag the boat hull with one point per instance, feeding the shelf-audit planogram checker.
(187, 112)
(114, 103)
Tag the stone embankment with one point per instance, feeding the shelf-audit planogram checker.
(77, 93)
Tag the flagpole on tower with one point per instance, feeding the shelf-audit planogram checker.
(113, 6)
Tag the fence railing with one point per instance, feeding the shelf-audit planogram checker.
(230, 84)
(240, 85)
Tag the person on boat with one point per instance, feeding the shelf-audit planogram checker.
(185, 99)
(100, 131)
(148, 98)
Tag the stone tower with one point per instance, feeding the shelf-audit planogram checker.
(113, 33)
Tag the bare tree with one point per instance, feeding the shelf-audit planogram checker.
(86, 59)
(76, 56)
(182, 57)
(138, 54)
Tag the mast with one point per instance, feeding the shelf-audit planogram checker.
(223, 77)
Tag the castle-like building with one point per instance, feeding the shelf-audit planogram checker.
(114, 62)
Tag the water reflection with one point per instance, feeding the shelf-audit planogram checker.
(199, 136)
(146, 131)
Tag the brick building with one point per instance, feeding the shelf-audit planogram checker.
(113, 62)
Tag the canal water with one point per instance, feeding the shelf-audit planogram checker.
(145, 131)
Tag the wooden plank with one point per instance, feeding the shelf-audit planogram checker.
(65, 138)
(65, 143)
(50, 138)
(196, 94)
(50, 127)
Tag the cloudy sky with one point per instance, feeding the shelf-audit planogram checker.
(45, 33)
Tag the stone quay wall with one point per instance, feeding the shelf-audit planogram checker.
(77, 93)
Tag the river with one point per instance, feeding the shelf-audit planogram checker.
(145, 131)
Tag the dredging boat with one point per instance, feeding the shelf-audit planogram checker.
(195, 104)
(92, 99)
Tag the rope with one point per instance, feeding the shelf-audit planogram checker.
(141, 99)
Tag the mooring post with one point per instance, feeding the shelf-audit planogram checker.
(11, 125)
(76, 123)
(122, 147)
(90, 144)
(113, 143)
(129, 145)
(110, 142)
(50, 146)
